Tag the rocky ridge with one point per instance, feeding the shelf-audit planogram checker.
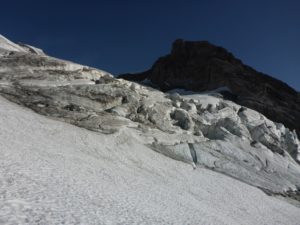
(204, 129)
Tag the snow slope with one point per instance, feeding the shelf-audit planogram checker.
(55, 173)
(7, 45)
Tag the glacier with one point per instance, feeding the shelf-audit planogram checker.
(79, 146)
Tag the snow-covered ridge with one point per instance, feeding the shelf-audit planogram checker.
(7, 47)
(202, 130)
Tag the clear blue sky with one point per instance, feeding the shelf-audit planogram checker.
(129, 35)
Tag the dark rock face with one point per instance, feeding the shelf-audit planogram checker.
(201, 66)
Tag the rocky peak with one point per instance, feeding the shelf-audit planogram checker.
(201, 66)
(203, 50)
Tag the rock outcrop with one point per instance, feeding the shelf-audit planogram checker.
(200, 66)
(220, 134)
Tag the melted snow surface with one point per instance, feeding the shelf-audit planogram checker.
(55, 173)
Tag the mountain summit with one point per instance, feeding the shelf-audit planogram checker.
(201, 66)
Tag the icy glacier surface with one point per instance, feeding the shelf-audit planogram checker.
(56, 173)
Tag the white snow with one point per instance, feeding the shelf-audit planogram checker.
(55, 173)
(204, 97)
(7, 45)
